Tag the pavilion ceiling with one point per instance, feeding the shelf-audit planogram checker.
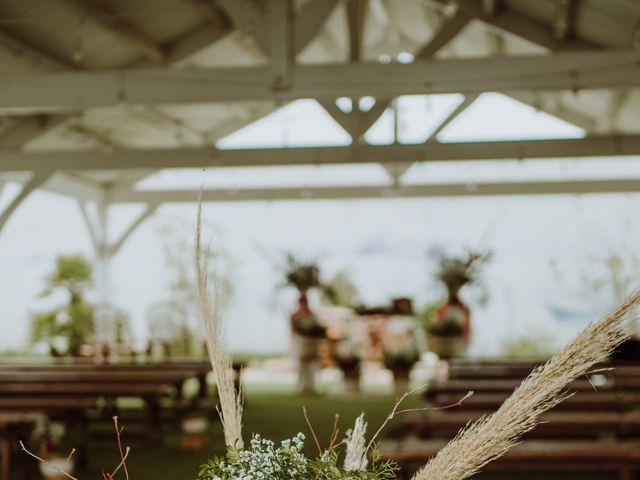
(97, 95)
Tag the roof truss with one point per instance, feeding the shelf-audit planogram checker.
(383, 191)
(592, 146)
(76, 91)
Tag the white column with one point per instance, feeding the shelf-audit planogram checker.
(103, 254)
(97, 222)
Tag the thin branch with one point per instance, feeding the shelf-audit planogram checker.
(68, 475)
(313, 433)
(391, 415)
(334, 432)
(456, 404)
(73, 450)
(122, 463)
(395, 412)
(123, 456)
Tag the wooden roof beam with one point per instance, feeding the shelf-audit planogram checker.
(116, 23)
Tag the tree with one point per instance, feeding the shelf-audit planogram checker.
(73, 320)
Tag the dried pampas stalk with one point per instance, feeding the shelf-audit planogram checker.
(230, 409)
(356, 450)
(491, 436)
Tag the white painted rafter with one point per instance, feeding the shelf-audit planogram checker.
(32, 56)
(281, 42)
(357, 122)
(447, 31)
(79, 91)
(36, 180)
(97, 222)
(467, 101)
(117, 24)
(468, 189)
(309, 21)
(517, 24)
(196, 157)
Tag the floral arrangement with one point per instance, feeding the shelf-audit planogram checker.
(266, 460)
(457, 271)
(400, 347)
(303, 276)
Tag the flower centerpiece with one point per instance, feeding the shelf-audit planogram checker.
(303, 277)
(450, 327)
(347, 354)
(400, 349)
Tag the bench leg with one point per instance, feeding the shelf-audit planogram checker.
(5, 452)
(152, 432)
(202, 390)
(624, 473)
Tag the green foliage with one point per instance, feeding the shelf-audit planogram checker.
(72, 321)
(340, 290)
(72, 273)
(536, 345)
(428, 312)
(301, 275)
(325, 467)
(264, 460)
(457, 271)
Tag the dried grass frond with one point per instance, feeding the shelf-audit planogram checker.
(230, 409)
(356, 446)
(491, 436)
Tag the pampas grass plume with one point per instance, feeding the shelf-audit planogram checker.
(356, 449)
(230, 409)
(491, 436)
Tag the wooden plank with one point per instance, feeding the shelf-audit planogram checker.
(611, 401)
(162, 377)
(47, 404)
(546, 453)
(196, 365)
(90, 389)
(552, 424)
(18, 417)
(508, 385)
(521, 371)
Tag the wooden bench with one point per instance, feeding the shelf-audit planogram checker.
(590, 401)
(592, 430)
(495, 371)
(621, 458)
(149, 392)
(182, 370)
(626, 384)
(582, 425)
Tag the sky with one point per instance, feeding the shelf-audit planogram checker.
(542, 246)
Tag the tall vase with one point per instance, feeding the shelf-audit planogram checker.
(306, 345)
(450, 334)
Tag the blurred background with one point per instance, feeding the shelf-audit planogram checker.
(395, 193)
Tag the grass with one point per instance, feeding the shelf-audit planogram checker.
(273, 416)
